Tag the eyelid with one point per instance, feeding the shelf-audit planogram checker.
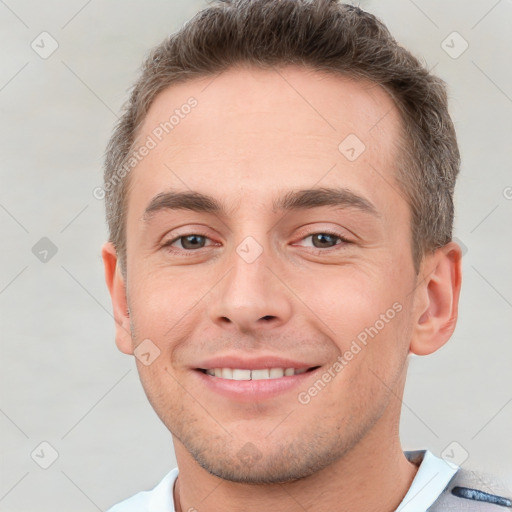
(314, 229)
(331, 232)
(175, 238)
(187, 230)
(326, 231)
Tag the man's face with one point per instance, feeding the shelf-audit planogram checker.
(260, 288)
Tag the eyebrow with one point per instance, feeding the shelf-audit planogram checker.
(292, 200)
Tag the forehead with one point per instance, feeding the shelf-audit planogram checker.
(255, 130)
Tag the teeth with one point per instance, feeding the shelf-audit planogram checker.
(276, 373)
(227, 373)
(261, 374)
(241, 374)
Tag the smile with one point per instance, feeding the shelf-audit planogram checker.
(259, 374)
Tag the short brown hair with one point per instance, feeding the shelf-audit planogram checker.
(322, 35)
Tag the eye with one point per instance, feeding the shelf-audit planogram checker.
(195, 241)
(326, 239)
(189, 242)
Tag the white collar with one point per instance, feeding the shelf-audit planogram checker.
(430, 481)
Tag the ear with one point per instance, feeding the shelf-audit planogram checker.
(117, 288)
(437, 299)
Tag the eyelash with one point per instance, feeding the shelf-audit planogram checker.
(343, 241)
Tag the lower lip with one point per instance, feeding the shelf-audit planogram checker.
(253, 390)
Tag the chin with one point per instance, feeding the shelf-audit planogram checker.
(276, 465)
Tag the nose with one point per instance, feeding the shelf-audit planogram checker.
(251, 296)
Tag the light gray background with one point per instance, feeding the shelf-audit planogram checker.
(63, 380)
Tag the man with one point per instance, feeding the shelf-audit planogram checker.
(279, 197)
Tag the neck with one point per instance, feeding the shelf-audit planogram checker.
(373, 477)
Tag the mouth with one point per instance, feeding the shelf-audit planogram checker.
(250, 385)
(254, 374)
(242, 377)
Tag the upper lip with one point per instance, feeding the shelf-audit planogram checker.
(252, 363)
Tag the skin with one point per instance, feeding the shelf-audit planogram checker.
(254, 135)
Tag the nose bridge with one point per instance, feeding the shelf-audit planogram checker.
(250, 295)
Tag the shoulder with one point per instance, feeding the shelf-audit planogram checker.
(473, 491)
(160, 498)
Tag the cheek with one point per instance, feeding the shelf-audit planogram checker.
(162, 304)
(368, 319)
(352, 303)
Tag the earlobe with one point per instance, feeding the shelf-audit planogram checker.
(117, 288)
(436, 299)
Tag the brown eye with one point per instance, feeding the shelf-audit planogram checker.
(323, 240)
(187, 242)
(192, 241)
